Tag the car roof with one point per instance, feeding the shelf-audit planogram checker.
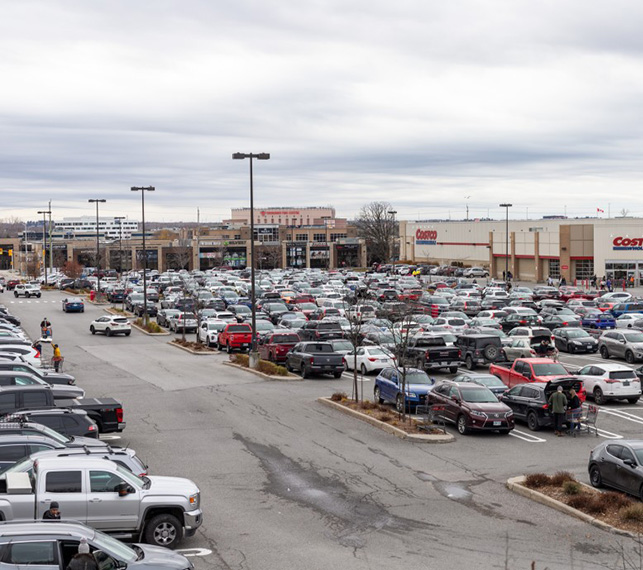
(611, 366)
(46, 529)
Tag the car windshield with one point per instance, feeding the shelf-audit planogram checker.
(478, 395)
(216, 326)
(577, 334)
(633, 337)
(342, 345)
(550, 369)
(418, 377)
(114, 547)
(488, 381)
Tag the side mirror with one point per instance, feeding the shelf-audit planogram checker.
(629, 462)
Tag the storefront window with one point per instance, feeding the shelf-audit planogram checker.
(554, 268)
(619, 272)
(584, 269)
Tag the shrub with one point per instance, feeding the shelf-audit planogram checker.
(616, 500)
(572, 488)
(151, 326)
(561, 477)
(577, 501)
(368, 405)
(271, 368)
(535, 480)
(594, 505)
(339, 396)
(240, 359)
(385, 417)
(634, 512)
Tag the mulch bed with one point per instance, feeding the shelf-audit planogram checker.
(193, 345)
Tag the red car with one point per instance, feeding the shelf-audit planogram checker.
(11, 284)
(275, 347)
(235, 336)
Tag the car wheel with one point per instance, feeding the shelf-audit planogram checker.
(595, 476)
(337, 374)
(363, 370)
(228, 349)
(15, 294)
(288, 367)
(453, 369)
(598, 396)
(305, 373)
(532, 421)
(629, 357)
(92, 329)
(462, 424)
(163, 530)
(377, 395)
(128, 333)
(604, 352)
(108, 332)
(399, 403)
(633, 400)
(468, 362)
(570, 348)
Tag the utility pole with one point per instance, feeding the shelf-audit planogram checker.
(51, 243)
(142, 190)
(44, 240)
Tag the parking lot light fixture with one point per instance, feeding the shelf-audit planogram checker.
(253, 356)
(506, 207)
(142, 190)
(97, 201)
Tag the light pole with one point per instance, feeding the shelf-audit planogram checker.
(97, 201)
(392, 213)
(253, 360)
(44, 239)
(142, 190)
(506, 207)
(120, 246)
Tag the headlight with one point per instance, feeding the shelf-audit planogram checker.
(509, 414)
(576, 342)
(477, 414)
(195, 500)
(411, 395)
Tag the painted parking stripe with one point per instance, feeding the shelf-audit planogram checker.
(528, 437)
(608, 434)
(190, 552)
(623, 415)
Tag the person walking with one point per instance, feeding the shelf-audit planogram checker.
(53, 513)
(45, 328)
(575, 411)
(57, 358)
(558, 405)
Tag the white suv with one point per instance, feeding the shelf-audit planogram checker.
(610, 382)
(27, 290)
(209, 331)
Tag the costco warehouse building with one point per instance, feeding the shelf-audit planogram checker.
(572, 248)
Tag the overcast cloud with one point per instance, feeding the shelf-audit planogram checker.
(418, 103)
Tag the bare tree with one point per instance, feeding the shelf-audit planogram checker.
(376, 224)
(73, 269)
(270, 256)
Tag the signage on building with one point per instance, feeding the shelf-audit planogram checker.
(426, 237)
(625, 243)
(280, 213)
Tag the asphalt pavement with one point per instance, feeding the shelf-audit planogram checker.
(289, 483)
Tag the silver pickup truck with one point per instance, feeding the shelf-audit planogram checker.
(103, 495)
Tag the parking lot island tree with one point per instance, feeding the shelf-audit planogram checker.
(376, 224)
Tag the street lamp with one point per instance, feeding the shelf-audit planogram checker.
(142, 190)
(44, 239)
(392, 213)
(506, 206)
(97, 201)
(253, 360)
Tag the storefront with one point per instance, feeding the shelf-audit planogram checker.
(296, 254)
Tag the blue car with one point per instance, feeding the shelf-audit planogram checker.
(628, 307)
(73, 306)
(602, 321)
(388, 387)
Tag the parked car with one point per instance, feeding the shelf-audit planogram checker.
(368, 359)
(489, 380)
(622, 343)
(608, 381)
(559, 321)
(28, 353)
(48, 376)
(530, 402)
(69, 422)
(618, 464)
(530, 370)
(472, 407)
(164, 316)
(520, 347)
(480, 349)
(235, 336)
(275, 347)
(388, 387)
(596, 321)
(574, 340)
(60, 391)
(111, 325)
(315, 358)
(209, 331)
(184, 322)
(430, 352)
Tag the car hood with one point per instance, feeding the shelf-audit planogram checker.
(57, 375)
(80, 441)
(636, 345)
(172, 485)
(488, 407)
(420, 388)
(159, 557)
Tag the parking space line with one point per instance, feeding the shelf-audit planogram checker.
(528, 437)
(608, 434)
(623, 415)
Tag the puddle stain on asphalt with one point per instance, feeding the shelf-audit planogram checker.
(353, 516)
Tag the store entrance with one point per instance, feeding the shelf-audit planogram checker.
(629, 273)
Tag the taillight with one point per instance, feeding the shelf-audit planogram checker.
(37, 355)
(459, 354)
(92, 427)
(119, 415)
(610, 381)
(427, 355)
(546, 407)
(312, 360)
(565, 324)
(371, 359)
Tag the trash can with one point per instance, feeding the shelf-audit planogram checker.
(92, 295)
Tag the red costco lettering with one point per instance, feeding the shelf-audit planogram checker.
(426, 235)
(628, 242)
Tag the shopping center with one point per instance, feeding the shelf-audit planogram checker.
(532, 250)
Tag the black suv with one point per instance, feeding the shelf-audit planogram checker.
(529, 402)
(480, 349)
(10, 425)
(63, 420)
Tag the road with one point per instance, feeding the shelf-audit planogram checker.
(289, 483)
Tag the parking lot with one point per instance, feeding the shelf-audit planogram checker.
(286, 482)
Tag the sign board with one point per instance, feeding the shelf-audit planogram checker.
(627, 244)
(564, 266)
(426, 237)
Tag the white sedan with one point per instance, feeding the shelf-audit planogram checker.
(110, 325)
(369, 359)
(626, 320)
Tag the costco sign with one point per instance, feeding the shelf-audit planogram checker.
(426, 237)
(625, 243)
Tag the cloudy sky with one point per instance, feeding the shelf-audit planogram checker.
(429, 105)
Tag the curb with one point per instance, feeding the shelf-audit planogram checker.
(134, 326)
(515, 484)
(429, 438)
(195, 352)
(289, 378)
(112, 311)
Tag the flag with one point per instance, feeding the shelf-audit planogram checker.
(598, 210)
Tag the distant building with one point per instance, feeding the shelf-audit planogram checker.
(109, 228)
(284, 216)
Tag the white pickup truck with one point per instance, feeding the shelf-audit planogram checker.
(103, 495)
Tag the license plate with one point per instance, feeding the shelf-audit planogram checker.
(626, 383)
(497, 423)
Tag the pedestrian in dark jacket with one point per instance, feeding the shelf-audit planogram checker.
(558, 406)
(84, 560)
(53, 513)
